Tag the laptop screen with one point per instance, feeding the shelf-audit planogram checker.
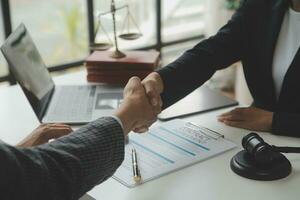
(28, 68)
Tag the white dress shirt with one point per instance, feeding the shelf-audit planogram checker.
(286, 48)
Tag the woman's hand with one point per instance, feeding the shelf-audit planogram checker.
(248, 118)
(44, 133)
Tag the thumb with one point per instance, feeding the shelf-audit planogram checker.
(133, 83)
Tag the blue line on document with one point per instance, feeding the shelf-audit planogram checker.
(170, 143)
(173, 133)
(157, 154)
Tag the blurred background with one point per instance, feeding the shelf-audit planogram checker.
(63, 29)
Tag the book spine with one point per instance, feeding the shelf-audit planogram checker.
(118, 73)
(124, 66)
(112, 79)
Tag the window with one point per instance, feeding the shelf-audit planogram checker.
(172, 52)
(182, 19)
(3, 66)
(143, 19)
(59, 28)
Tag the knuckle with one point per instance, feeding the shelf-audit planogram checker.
(134, 78)
(46, 128)
(45, 136)
(237, 111)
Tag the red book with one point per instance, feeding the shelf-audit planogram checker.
(110, 80)
(133, 60)
(118, 73)
(102, 68)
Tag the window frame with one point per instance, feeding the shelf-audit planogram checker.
(7, 23)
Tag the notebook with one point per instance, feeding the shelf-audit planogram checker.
(201, 100)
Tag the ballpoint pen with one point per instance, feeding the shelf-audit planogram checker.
(135, 167)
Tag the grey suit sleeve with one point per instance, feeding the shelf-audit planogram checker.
(65, 168)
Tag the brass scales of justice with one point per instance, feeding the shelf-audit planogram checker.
(125, 34)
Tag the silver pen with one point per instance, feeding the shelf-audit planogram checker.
(135, 167)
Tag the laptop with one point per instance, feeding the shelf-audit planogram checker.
(201, 100)
(71, 104)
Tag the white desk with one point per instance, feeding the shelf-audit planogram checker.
(208, 180)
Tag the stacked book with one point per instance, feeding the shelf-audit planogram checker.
(102, 68)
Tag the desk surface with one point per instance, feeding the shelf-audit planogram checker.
(211, 179)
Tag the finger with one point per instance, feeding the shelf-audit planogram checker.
(230, 117)
(237, 124)
(237, 114)
(51, 127)
(142, 129)
(152, 93)
(57, 133)
(132, 83)
(157, 109)
(60, 126)
(225, 114)
(234, 111)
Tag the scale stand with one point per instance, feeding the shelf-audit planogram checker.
(117, 54)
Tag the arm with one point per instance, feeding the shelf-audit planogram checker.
(71, 165)
(279, 123)
(198, 64)
(65, 168)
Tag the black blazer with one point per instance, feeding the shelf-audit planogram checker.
(250, 36)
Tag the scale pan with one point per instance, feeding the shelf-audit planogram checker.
(130, 36)
(100, 46)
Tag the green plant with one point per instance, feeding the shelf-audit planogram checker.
(73, 18)
(232, 4)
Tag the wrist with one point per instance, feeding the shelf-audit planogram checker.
(127, 117)
(269, 121)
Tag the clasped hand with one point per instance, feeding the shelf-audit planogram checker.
(140, 107)
(151, 88)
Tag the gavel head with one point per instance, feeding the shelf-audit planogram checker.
(259, 150)
(259, 160)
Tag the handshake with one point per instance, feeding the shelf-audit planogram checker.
(142, 103)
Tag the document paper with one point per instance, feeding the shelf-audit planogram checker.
(168, 147)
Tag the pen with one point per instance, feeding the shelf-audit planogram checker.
(135, 167)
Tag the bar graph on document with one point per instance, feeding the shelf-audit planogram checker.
(168, 147)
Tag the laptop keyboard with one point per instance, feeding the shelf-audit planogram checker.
(72, 103)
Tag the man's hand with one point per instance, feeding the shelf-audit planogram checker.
(136, 110)
(248, 118)
(153, 85)
(44, 133)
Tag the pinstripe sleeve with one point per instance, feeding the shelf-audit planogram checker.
(65, 168)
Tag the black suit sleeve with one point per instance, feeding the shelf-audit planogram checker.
(198, 64)
(286, 124)
(63, 169)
